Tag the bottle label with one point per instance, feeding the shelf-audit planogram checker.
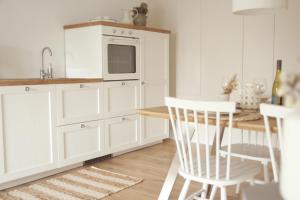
(277, 100)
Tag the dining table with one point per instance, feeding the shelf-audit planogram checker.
(250, 120)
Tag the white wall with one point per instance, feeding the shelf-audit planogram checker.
(28, 26)
(213, 44)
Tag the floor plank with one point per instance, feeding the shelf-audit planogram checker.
(152, 165)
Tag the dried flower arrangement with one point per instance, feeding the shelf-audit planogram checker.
(230, 85)
(290, 89)
(142, 9)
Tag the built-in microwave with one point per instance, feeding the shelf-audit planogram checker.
(121, 57)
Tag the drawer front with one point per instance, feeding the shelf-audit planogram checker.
(80, 142)
(122, 133)
(79, 102)
(121, 98)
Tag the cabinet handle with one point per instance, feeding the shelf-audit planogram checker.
(123, 83)
(27, 89)
(83, 126)
(123, 118)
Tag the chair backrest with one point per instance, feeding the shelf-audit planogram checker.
(184, 113)
(278, 113)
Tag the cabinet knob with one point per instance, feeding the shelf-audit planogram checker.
(81, 86)
(83, 126)
(27, 89)
(123, 83)
(143, 83)
(123, 118)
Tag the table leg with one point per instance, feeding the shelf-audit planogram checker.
(170, 179)
(213, 152)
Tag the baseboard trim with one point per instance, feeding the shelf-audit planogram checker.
(37, 177)
(136, 148)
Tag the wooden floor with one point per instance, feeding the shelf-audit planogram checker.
(152, 165)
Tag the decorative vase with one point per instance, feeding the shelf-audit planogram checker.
(127, 19)
(224, 97)
(140, 19)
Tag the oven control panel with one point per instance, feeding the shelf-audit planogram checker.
(121, 32)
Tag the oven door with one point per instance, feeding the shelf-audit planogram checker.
(121, 58)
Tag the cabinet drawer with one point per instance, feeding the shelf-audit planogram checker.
(80, 142)
(122, 133)
(79, 102)
(121, 98)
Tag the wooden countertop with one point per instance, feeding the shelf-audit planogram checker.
(36, 81)
(253, 125)
(114, 24)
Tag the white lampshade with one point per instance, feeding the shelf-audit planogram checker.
(257, 7)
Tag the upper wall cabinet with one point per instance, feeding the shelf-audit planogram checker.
(83, 49)
(27, 131)
(79, 102)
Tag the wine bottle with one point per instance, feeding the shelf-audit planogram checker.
(276, 99)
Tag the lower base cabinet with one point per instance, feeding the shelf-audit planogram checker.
(122, 133)
(81, 142)
(153, 130)
(27, 131)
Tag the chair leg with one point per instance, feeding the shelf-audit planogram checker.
(184, 189)
(204, 187)
(252, 182)
(213, 193)
(223, 193)
(237, 189)
(266, 173)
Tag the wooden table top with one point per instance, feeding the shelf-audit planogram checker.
(252, 125)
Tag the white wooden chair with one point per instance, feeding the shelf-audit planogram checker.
(197, 164)
(279, 113)
(260, 150)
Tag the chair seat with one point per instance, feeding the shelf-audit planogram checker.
(250, 151)
(240, 171)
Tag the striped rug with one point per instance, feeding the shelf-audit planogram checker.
(88, 183)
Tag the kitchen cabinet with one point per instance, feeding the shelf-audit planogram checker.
(79, 102)
(122, 133)
(121, 98)
(27, 131)
(80, 142)
(154, 84)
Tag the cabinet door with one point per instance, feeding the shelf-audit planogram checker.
(121, 98)
(122, 133)
(79, 102)
(155, 84)
(27, 131)
(80, 142)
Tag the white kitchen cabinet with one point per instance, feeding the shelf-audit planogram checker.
(27, 131)
(121, 98)
(79, 102)
(155, 84)
(80, 142)
(122, 133)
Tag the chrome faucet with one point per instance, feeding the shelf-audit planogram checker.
(49, 72)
